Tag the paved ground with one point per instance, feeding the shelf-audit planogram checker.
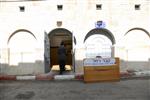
(135, 89)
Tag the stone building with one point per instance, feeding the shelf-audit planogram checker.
(31, 31)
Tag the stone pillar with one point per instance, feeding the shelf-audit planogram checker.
(112, 51)
(79, 57)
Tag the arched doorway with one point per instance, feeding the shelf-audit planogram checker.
(98, 42)
(21, 47)
(55, 37)
(137, 47)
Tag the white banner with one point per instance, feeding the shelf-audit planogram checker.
(98, 61)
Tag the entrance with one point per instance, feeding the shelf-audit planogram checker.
(56, 36)
(99, 43)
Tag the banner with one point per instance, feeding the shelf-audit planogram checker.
(98, 61)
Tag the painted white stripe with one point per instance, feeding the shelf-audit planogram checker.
(142, 73)
(64, 77)
(25, 78)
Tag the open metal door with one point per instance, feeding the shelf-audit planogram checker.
(46, 52)
(73, 52)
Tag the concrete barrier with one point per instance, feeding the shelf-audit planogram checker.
(7, 77)
(25, 77)
(142, 73)
(64, 77)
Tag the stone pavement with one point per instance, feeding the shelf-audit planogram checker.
(127, 89)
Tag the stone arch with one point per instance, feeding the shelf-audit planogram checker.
(137, 47)
(21, 47)
(101, 31)
(98, 42)
(59, 30)
(20, 30)
(137, 28)
(51, 33)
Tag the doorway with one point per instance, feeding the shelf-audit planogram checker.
(98, 43)
(56, 36)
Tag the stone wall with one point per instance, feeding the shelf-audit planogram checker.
(77, 16)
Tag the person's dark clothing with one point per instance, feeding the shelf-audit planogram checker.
(62, 58)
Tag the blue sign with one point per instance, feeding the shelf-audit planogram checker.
(100, 24)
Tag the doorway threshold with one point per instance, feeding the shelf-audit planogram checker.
(56, 68)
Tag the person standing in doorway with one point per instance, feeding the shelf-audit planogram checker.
(62, 57)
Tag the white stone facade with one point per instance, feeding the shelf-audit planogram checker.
(24, 23)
